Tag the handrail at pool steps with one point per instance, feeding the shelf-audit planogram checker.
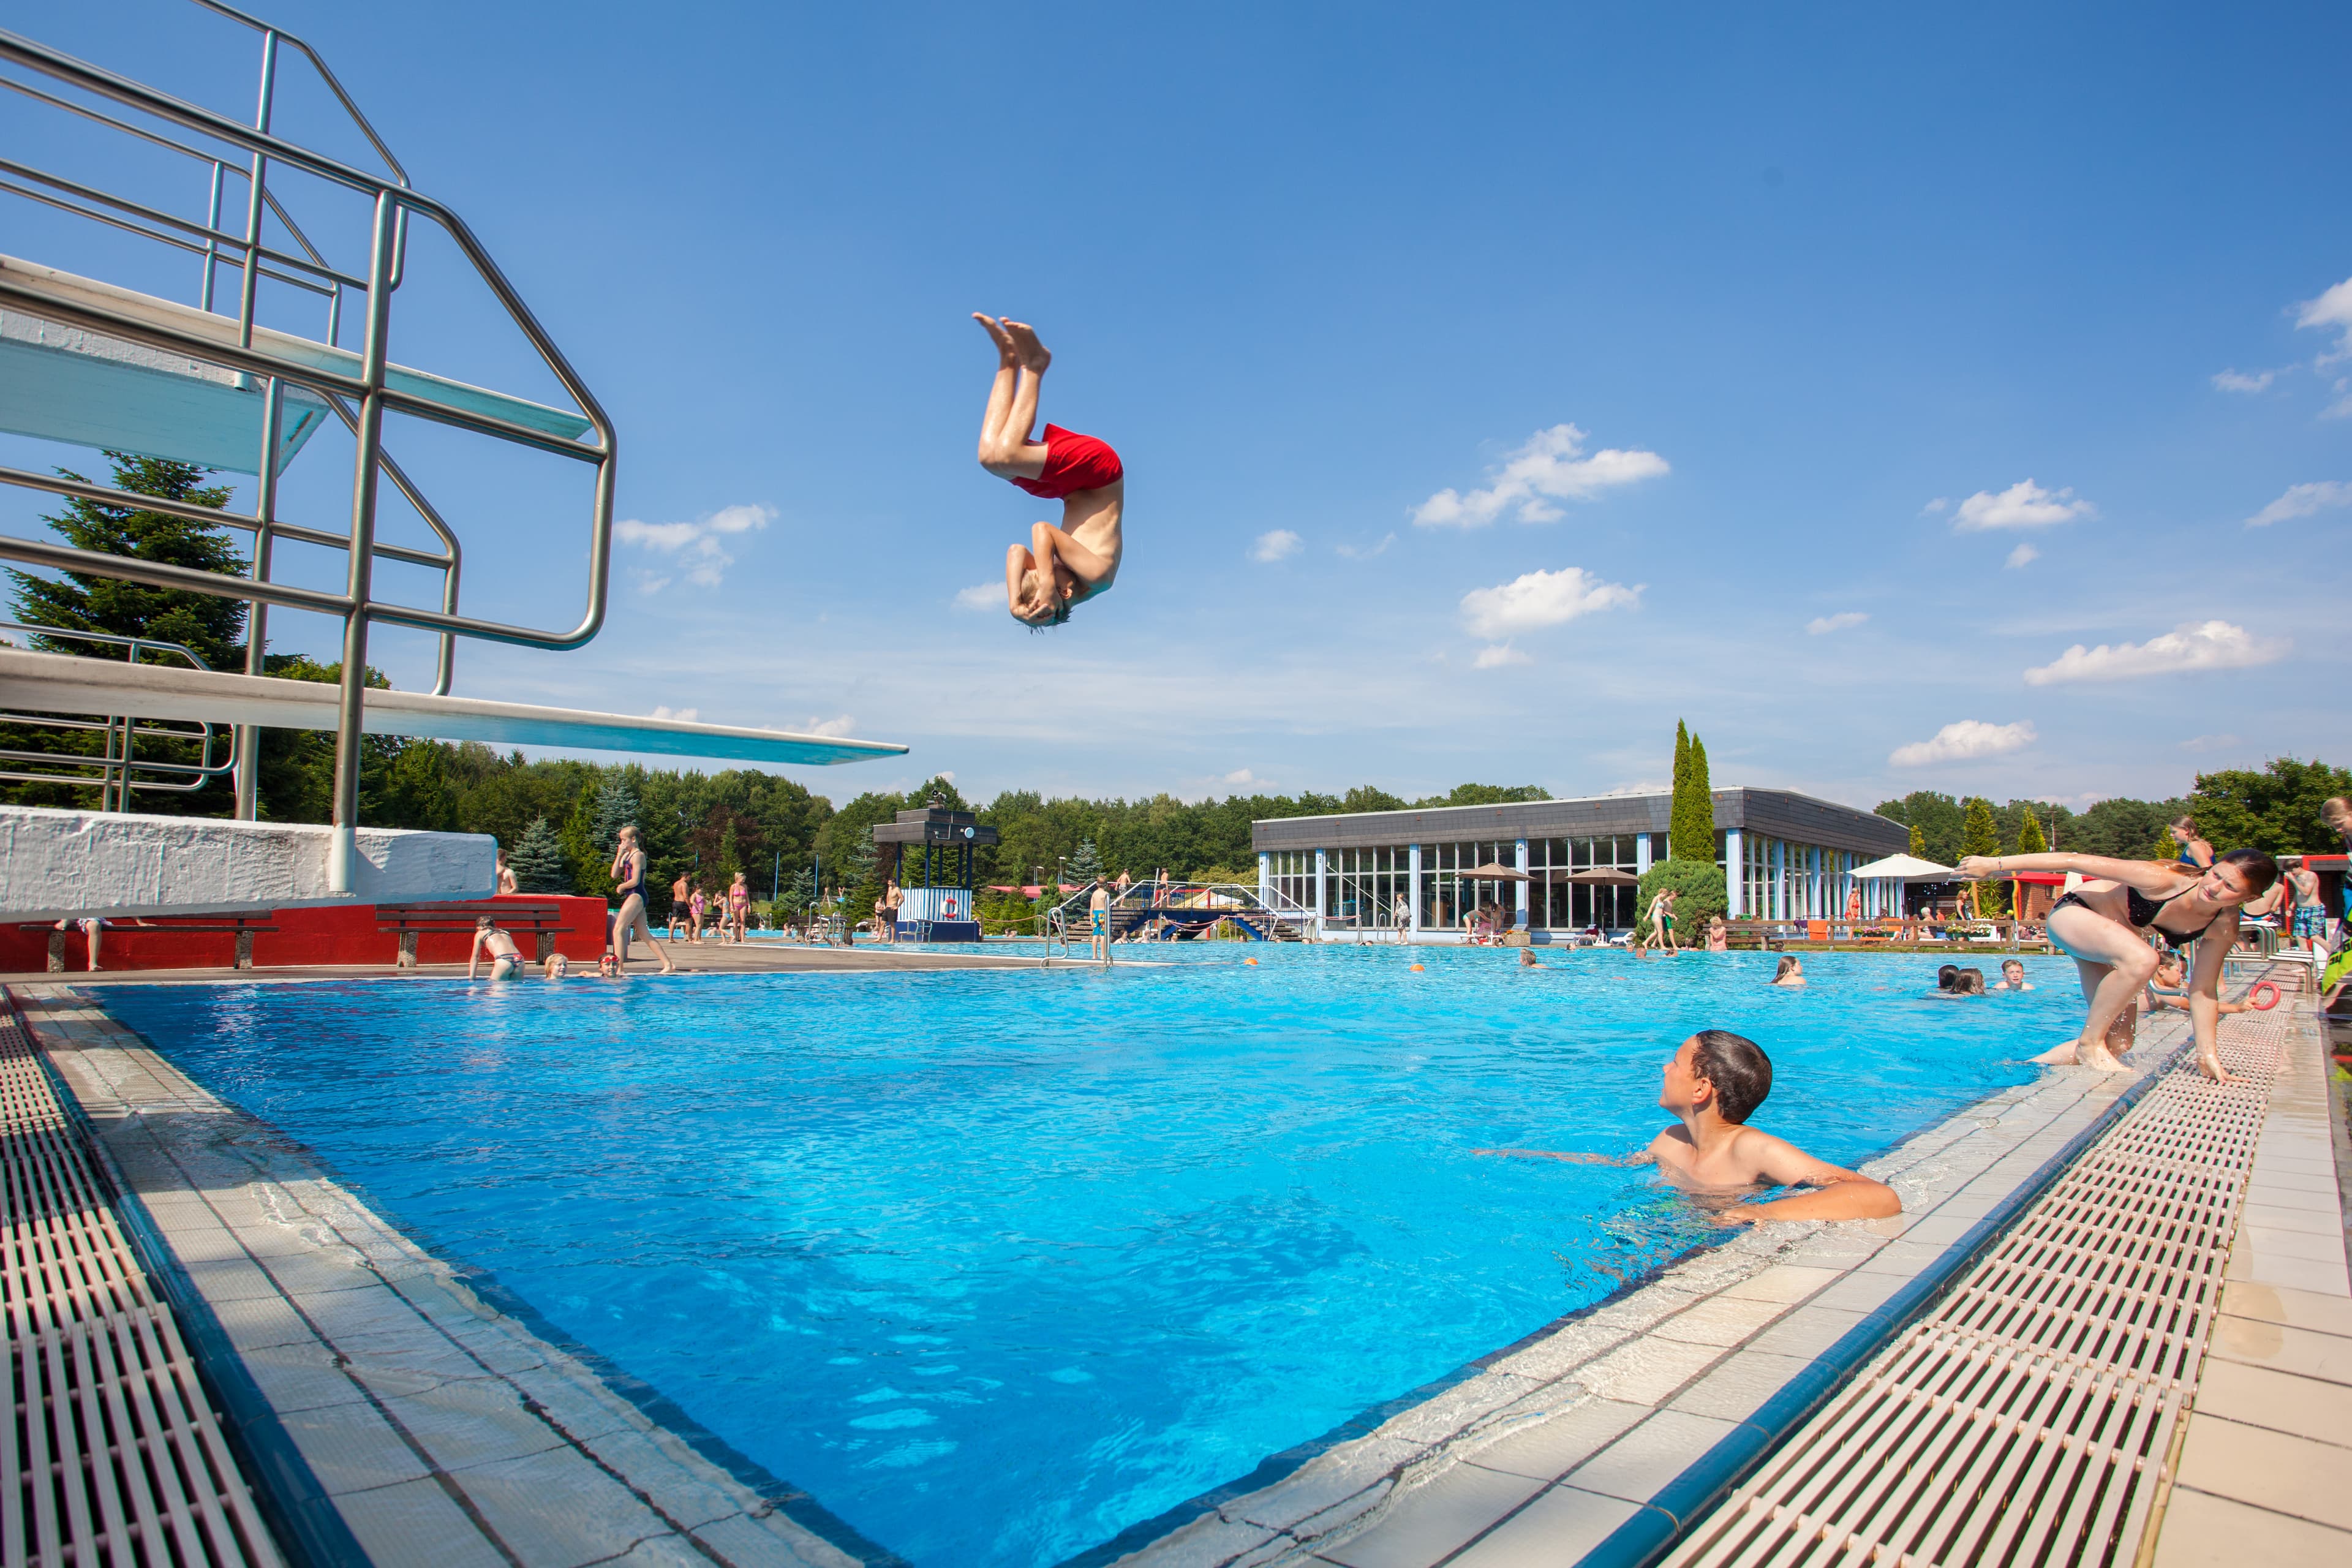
(231, 355)
(1653, 1531)
(1139, 902)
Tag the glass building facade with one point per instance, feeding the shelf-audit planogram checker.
(1784, 855)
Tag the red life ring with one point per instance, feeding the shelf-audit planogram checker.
(952, 909)
(2254, 997)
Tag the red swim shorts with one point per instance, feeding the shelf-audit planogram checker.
(1073, 463)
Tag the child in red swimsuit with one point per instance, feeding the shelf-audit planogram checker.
(1060, 567)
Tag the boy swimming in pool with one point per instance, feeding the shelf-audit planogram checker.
(1713, 1082)
(1064, 566)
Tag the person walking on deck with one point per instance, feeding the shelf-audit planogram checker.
(629, 883)
(1060, 567)
(1662, 922)
(739, 908)
(696, 904)
(680, 907)
(2310, 915)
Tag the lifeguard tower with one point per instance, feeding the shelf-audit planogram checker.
(939, 908)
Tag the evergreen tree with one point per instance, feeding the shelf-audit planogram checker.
(1918, 841)
(77, 601)
(538, 861)
(616, 808)
(1980, 836)
(2029, 840)
(2166, 847)
(861, 879)
(416, 792)
(729, 859)
(1085, 866)
(1690, 826)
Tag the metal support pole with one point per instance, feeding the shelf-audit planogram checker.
(212, 246)
(256, 617)
(256, 185)
(344, 851)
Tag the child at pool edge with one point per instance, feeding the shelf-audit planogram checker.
(1714, 1082)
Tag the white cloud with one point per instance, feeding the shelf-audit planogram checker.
(1495, 656)
(683, 715)
(1242, 776)
(2208, 743)
(1822, 625)
(1550, 467)
(1963, 741)
(2333, 308)
(2198, 645)
(695, 544)
(2023, 555)
(1938, 505)
(650, 582)
(2301, 501)
(1541, 599)
(2342, 407)
(1366, 551)
(2239, 381)
(833, 728)
(980, 596)
(2024, 505)
(1276, 544)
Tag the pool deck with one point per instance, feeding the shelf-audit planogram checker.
(441, 1429)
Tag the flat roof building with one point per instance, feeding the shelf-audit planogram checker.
(1411, 874)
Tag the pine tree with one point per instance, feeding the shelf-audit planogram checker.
(538, 861)
(1690, 826)
(2166, 847)
(77, 601)
(1918, 841)
(1085, 866)
(2029, 836)
(1979, 835)
(616, 808)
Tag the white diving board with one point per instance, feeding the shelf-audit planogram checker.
(66, 383)
(60, 683)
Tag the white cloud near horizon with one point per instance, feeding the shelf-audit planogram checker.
(833, 729)
(2301, 501)
(2023, 555)
(980, 596)
(2239, 381)
(683, 715)
(1366, 551)
(2333, 308)
(1822, 625)
(1495, 656)
(2208, 743)
(1276, 544)
(2024, 505)
(2196, 645)
(1938, 505)
(1966, 741)
(1551, 467)
(1535, 599)
(695, 544)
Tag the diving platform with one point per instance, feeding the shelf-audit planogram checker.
(91, 364)
(63, 683)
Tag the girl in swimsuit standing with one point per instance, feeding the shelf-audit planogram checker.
(1062, 566)
(629, 885)
(2104, 927)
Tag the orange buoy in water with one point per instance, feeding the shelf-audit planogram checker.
(1251, 962)
(2254, 997)
(1417, 968)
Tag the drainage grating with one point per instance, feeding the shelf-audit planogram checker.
(2029, 1422)
(113, 1455)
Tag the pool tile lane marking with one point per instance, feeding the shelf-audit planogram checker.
(462, 1437)
(1630, 1357)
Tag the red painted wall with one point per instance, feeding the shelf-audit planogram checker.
(346, 935)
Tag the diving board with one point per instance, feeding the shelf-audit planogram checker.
(63, 379)
(61, 683)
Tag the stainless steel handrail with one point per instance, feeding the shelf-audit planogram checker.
(115, 780)
(395, 202)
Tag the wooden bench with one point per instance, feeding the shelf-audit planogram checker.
(542, 919)
(245, 926)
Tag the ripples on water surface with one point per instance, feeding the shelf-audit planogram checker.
(998, 1265)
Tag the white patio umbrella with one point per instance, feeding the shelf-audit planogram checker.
(1905, 868)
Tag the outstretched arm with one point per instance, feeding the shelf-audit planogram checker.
(1841, 1195)
(2147, 876)
(1643, 1157)
(2205, 993)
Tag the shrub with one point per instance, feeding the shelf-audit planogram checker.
(1701, 886)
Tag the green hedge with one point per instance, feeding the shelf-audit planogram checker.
(1699, 882)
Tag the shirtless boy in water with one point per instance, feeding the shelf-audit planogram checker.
(1714, 1081)
(1062, 566)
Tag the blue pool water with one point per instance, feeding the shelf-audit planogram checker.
(997, 1265)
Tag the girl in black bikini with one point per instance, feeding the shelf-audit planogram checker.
(2104, 927)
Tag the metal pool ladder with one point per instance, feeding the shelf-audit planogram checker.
(2031, 1421)
(112, 1451)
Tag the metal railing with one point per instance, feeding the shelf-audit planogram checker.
(358, 398)
(114, 772)
(1071, 913)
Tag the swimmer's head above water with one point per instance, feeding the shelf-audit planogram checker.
(1716, 1067)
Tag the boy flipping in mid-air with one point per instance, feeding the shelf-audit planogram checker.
(1714, 1081)
(1062, 566)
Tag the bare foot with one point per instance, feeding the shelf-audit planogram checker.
(2100, 1059)
(1005, 347)
(1034, 355)
(2063, 1055)
(2211, 1068)
(669, 969)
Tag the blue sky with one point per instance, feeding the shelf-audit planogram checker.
(1496, 385)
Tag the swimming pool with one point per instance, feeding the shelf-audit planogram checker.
(999, 1264)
